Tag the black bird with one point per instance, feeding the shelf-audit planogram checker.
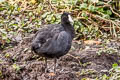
(54, 40)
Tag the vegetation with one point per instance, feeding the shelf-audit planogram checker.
(93, 19)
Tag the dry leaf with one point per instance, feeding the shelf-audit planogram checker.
(51, 74)
(92, 42)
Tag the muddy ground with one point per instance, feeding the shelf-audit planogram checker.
(82, 61)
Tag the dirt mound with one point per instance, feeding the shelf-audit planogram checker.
(98, 62)
(19, 63)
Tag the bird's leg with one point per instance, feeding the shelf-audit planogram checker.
(46, 65)
(55, 62)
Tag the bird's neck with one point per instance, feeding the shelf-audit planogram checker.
(69, 28)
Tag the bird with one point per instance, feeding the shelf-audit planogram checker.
(54, 40)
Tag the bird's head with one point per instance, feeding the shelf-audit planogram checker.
(66, 18)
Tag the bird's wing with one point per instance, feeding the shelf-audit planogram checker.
(58, 44)
(40, 38)
(44, 36)
(48, 32)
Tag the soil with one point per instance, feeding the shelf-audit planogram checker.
(82, 61)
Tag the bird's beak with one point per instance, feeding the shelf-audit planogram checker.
(70, 19)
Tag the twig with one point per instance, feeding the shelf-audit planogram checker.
(107, 5)
(106, 20)
(75, 58)
(110, 28)
(114, 11)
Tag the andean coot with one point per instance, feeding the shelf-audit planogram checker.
(54, 40)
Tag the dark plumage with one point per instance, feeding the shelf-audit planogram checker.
(54, 40)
